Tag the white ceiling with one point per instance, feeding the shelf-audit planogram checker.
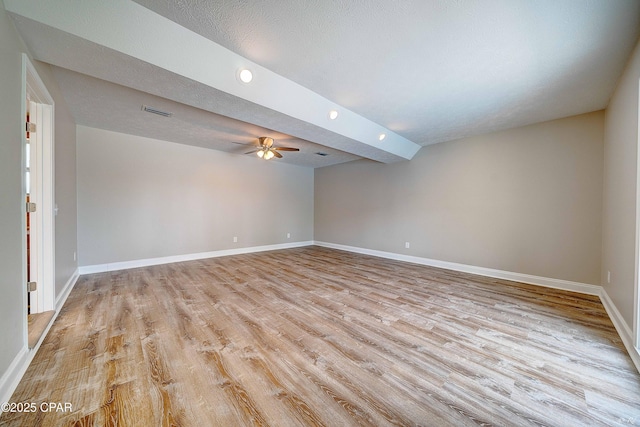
(420, 71)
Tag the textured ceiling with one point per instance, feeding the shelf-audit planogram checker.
(428, 71)
(432, 70)
(104, 105)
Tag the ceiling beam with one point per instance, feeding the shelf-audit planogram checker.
(130, 32)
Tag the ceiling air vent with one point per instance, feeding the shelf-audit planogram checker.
(322, 154)
(156, 111)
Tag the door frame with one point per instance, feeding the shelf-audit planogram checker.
(34, 90)
(636, 282)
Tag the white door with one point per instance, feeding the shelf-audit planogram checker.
(31, 187)
(39, 173)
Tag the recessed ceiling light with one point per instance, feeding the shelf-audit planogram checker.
(245, 75)
(333, 114)
(382, 136)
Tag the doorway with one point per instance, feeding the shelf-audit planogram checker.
(38, 149)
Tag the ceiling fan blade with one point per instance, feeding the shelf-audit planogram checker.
(278, 155)
(286, 149)
(253, 151)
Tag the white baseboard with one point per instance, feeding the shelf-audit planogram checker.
(12, 376)
(60, 299)
(616, 318)
(481, 271)
(621, 326)
(101, 268)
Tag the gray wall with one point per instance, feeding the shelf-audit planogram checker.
(620, 192)
(142, 198)
(526, 200)
(11, 204)
(12, 241)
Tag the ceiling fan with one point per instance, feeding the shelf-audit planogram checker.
(267, 151)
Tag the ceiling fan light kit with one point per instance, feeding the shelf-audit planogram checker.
(265, 153)
(266, 150)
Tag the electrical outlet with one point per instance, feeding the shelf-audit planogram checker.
(235, 239)
(75, 256)
(288, 235)
(608, 277)
(407, 245)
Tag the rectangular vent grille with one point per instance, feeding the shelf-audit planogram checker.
(156, 111)
(322, 154)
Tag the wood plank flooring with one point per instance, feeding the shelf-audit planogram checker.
(319, 337)
(37, 323)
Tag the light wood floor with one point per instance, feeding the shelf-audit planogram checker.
(314, 336)
(37, 324)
